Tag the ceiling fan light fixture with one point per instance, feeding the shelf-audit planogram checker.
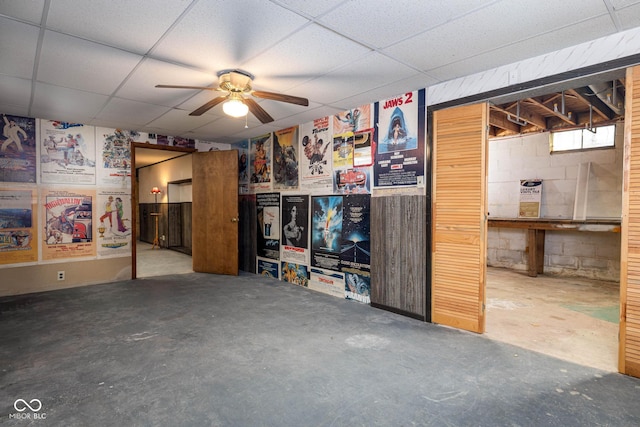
(234, 107)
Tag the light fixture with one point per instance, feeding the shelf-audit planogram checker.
(234, 106)
(155, 191)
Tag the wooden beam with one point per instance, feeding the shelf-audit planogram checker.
(500, 121)
(552, 111)
(586, 96)
(525, 114)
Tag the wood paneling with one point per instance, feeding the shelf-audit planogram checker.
(215, 212)
(459, 226)
(398, 255)
(629, 360)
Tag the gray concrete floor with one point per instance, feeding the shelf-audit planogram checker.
(206, 350)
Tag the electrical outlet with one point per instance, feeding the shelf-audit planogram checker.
(60, 275)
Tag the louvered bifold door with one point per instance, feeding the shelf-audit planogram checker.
(459, 223)
(629, 361)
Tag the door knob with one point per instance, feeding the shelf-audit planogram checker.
(234, 219)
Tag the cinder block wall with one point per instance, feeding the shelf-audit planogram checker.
(583, 254)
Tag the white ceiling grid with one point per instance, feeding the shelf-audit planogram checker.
(97, 62)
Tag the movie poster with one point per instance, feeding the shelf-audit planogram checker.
(285, 159)
(69, 226)
(343, 151)
(315, 164)
(295, 273)
(326, 232)
(175, 141)
(211, 146)
(260, 163)
(243, 165)
(352, 120)
(352, 181)
(363, 148)
(268, 218)
(399, 159)
(295, 228)
(355, 255)
(18, 231)
(18, 149)
(113, 219)
(67, 153)
(327, 282)
(114, 147)
(268, 268)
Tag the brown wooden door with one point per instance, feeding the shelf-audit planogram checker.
(215, 212)
(459, 224)
(629, 347)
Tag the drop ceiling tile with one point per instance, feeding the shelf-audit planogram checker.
(130, 111)
(131, 25)
(518, 51)
(629, 17)
(15, 91)
(374, 69)
(311, 8)
(14, 110)
(214, 36)
(493, 27)
(389, 23)
(30, 11)
(310, 52)
(180, 121)
(59, 103)
(141, 83)
(72, 62)
(416, 82)
(18, 43)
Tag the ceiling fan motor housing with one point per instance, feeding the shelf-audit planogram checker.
(235, 81)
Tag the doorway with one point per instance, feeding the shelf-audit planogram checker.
(153, 168)
(571, 311)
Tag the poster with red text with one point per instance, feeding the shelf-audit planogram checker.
(315, 158)
(285, 159)
(68, 224)
(352, 120)
(399, 158)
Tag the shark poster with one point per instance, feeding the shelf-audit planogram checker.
(399, 158)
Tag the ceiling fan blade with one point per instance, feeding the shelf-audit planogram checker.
(280, 97)
(209, 105)
(258, 111)
(187, 87)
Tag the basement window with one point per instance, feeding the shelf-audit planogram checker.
(583, 139)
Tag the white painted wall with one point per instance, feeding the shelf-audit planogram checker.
(584, 254)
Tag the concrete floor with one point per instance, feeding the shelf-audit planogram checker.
(573, 319)
(570, 318)
(205, 350)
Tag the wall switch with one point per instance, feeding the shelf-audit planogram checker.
(60, 275)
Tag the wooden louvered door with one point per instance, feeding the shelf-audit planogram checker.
(459, 223)
(629, 354)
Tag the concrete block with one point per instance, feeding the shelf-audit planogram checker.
(596, 263)
(579, 248)
(512, 257)
(565, 261)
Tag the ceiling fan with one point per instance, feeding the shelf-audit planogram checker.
(237, 84)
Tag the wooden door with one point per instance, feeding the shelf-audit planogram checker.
(629, 347)
(459, 223)
(215, 212)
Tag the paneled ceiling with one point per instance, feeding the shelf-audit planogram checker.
(97, 62)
